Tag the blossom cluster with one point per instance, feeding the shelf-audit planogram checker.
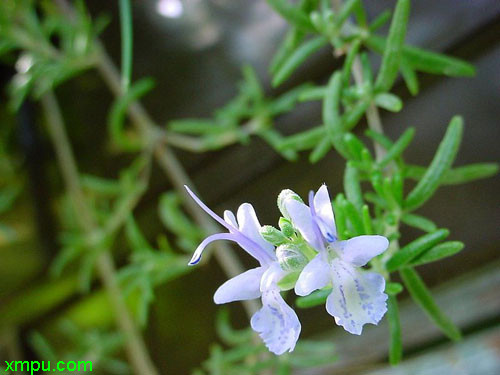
(307, 250)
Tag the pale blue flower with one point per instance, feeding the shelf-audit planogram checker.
(357, 296)
(276, 323)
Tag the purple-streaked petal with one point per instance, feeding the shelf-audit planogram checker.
(324, 214)
(201, 247)
(315, 275)
(276, 323)
(301, 218)
(242, 287)
(249, 225)
(359, 250)
(357, 297)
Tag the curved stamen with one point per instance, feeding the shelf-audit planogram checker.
(249, 245)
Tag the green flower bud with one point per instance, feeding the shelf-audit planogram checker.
(273, 235)
(284, 196)
(286, 227)
(317, 20)
(290, 257)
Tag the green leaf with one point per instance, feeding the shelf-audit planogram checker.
(389, 102)
(287, 101)
(393, 289)
(441, 163)
(292, 39)
(352, 116)
(349, 60)
(409, 76)
(344, 12)
(366, 69)
(304, 140)
(425, 61)
(101, 186)
(360, 14)
(422, 296)
(289, 280)
(274, 139)
(312, 93)
(397, 185)
(195, 126)
(354, 217)
(398, 147)
(297, 58)
(443, 250)
(292, 14)
(380, 21)
(419, 222)
(134, 236)
(455, 176)
(352, 187)
(392, 53)
(314, 299)
(331, 116)
(273, 235)
(415, 248)
(380, 138)
(320, 150)
(395, 346)
(251, 82)
(117, 115)
(340, 215)
(367, 220)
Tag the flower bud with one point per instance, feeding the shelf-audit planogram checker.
(285, 196)
(290, 257)
(272, 235)
(286, 227)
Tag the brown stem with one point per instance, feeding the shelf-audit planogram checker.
(134, 345)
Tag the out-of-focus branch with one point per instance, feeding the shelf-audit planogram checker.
(134, 345)
(166, 159)
(173, 169)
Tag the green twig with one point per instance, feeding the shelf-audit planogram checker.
(127, 42)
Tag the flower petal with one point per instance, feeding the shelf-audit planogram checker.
(315, 275)
(359, 250)
(242, 287)
(249, 225)
(302, 220)
(271, 277)
(324, 212)
(276, 323)
(230, 218)
(357, 297)
(201, 247)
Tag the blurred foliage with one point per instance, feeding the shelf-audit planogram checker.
(97, 346)
(46, 45)
(244, 356)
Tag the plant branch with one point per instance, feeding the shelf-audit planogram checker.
(134, 345)
(173, 169)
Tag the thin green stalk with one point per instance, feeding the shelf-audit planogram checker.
(127, 42)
